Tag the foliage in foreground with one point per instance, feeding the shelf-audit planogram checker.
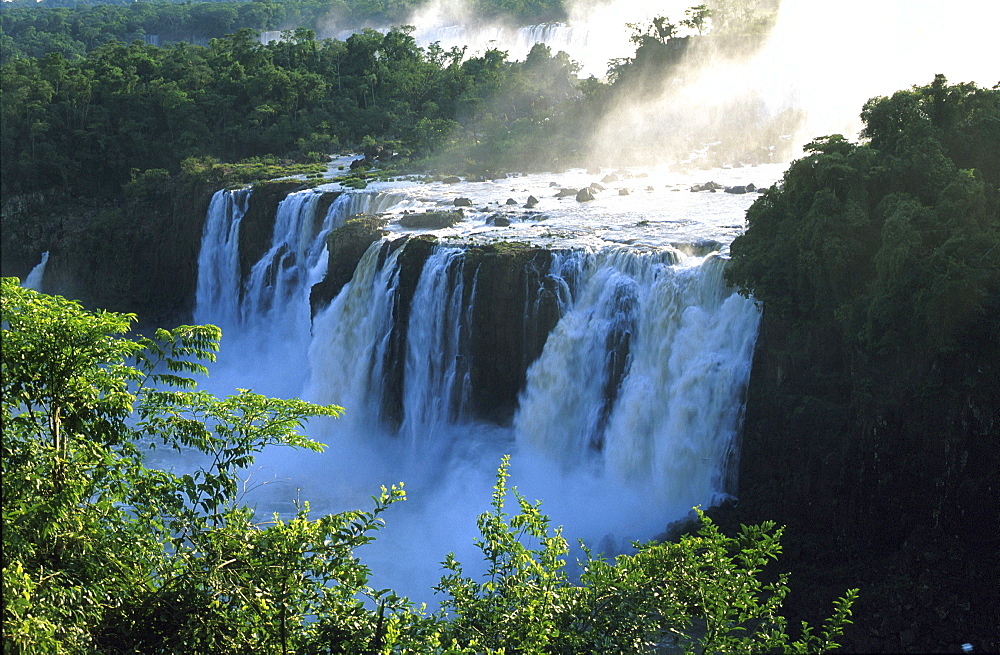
(103, 552)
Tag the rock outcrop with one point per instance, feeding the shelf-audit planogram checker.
(346, 245)
(431, 220)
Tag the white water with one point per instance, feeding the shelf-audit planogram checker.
(266, 318)
(217, 298)
(613, 458)
(436, 384)
(34, 278)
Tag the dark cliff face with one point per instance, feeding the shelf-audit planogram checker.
(515, 308)
(897, 493)
(138, 255)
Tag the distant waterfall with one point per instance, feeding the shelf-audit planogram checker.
(587, 44)
(34, 279)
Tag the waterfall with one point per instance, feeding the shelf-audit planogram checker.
(644, 375)
(34, 279)
(217, 298)
(436, 381)
(351, 335)
(266, 317)
(629, 408)
(590, 45)
(640, 382)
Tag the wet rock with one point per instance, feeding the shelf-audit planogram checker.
(623, 192)
(431, 220)
(707, 186)
(511, 201)
(452, 180)
(565, 193)
(463, 202)
(736, 189)
(596, 187)
(585, 195)
(346, 244)
(499, 220)
(359, 163)
(531, 202)
(610, 177)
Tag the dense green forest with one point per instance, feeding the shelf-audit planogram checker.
(91, 124)
(88, 124)
(105, 552)
(74, 28)
(872, 416)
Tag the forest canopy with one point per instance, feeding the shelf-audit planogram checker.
(888, 247)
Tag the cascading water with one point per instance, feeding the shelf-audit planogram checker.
(623, 379)
(436, 381)
(217, 298)
(351, 336)
(34, 278)
(638, 390)
(266, 317)
(627, 419)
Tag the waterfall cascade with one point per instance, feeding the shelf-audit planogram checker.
(34, 278)
(628, 367)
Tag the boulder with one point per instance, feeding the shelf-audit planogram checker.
(463, 202)
(623, 192)
(611, 177)
(532, 201)
(500, 220)
(346, 244)
(707, 186)
(452, 180)
(565, 193)
(736, 189)
(359, 163)
(511, 201)
(431, 220)
(596, 187)
(584, 195)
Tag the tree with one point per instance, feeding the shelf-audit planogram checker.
(697, 17)
(700, 594)
(101, 552)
